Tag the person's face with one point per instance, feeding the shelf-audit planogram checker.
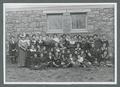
(80, 37)
(87, 38)
(23, 38)
(12, 38)
(41, 54)
(35, 55)
(51, 49)
(95, 37)
(91, 38)
(82, 52)
(61, 45)
(34, 37)
(68, 51)
(83, 39)
(75, 52)
(78, 45)
(56, 44)
(27, 38)
(32, 47)
(63, 51)
(37, 37)
(55, 36)
(56, 53)
(40, 37)
(92, 45)
(104, 45)
(104, 37)
(105, 53)
(62, 56)
(50, 54)
(38, 46)
(78, 56)
(75, 37)
(44, 48)
(70, 55)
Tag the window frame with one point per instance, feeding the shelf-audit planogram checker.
(54, 30)
(82, 29)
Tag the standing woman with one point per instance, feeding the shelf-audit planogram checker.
(13, 49)
(22, 45)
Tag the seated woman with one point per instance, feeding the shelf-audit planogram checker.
(40, 42)
(44, 50)
(57, 47)
(104, 40)
(64, 59)
(55, 38)
(35, 61)
(78, 48)
(104, 53)
(81, 58)
(71, 60)
(72, 44)
(62, 47)
(57, 60)
(91, 54)
(43, 61)
(33, 40)
(50, 59)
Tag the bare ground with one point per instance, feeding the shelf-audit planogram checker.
(74, 74)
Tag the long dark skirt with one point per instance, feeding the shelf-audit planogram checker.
(21, 57)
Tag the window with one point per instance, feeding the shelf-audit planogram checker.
(54, 21)
(78, 20)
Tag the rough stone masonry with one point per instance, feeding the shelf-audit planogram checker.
(99, 20)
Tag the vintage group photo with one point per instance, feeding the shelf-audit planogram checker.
(57, 43)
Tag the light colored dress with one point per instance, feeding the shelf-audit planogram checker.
(22, 52)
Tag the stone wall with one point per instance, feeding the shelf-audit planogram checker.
(99, 20)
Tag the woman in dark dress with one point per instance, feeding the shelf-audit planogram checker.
(13, 50)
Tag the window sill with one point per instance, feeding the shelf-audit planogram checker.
(55, 31)
(78, 30)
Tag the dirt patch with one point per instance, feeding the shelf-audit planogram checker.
(75, 74)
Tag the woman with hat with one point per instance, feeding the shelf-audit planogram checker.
(22, 44)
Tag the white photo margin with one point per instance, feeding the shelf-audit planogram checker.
(65, 83)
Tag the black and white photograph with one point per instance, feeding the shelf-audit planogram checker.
(60, 43)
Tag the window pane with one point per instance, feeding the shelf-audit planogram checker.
(55, 21)
(78, 20)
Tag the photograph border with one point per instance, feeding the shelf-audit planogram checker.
(65, 83)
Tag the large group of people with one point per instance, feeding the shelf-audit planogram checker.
(53, 50)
